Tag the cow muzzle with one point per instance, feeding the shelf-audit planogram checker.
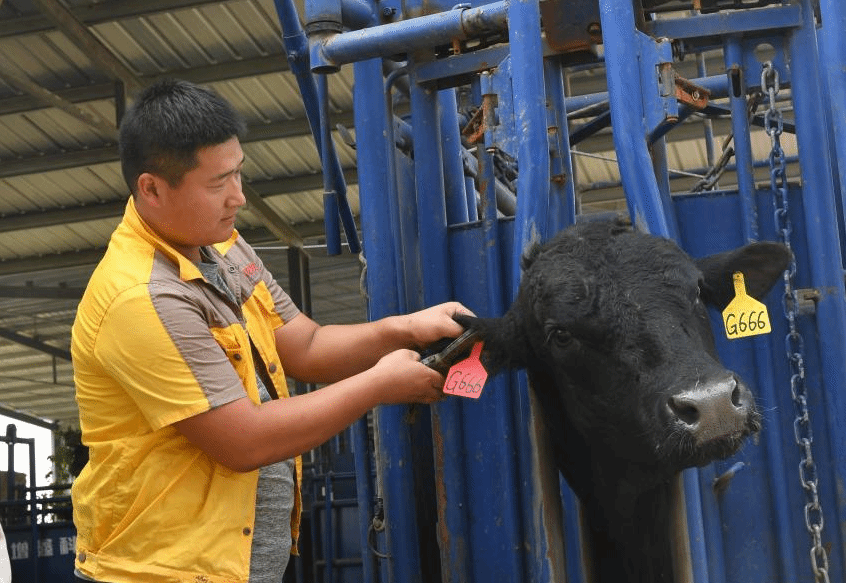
(717, 410)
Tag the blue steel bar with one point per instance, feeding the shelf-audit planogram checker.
(330, 197)
(296, 49)
(429, 165)
(733, 51)
(562, 199)
(393, 474)
(488, 215)
(624, 92)
(724, 23)
(322, 15)
(702, 71)
(328, 534)
(661, 168)
(763, 353)
(826, 263)
(530, 225)
(365, 497)
(833, 42)
(456, 196)
(429, 183)
(715, 84)
(329, 52)
(357, 13)
(399, 224)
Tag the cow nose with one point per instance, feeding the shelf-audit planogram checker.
(713, 410)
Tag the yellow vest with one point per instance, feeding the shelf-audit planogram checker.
(153, 344)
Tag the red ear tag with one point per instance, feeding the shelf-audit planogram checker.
(467, 377)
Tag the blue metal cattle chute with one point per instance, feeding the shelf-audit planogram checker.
(464, 158)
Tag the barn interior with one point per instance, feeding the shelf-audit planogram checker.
(69, 68)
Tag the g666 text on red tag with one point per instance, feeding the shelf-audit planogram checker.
(467, 377)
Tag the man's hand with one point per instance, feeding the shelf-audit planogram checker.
(400, 377)
(435, 323)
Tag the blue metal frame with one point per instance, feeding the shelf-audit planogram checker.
(421, 250)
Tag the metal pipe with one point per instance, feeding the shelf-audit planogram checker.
(826, 262)
(562, 198)
(742, 140)
(622, 43)
(383, 293)
(833, 43)
(296, 49)
(330, 197)
(530, 225)
(398, 226)
(453, 160)
(330, 51)
(433, 111)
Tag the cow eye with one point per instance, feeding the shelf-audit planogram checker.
(560, 336)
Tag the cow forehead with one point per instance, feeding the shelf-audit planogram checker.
(630, 264)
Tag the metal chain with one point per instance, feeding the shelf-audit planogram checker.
(794, 343)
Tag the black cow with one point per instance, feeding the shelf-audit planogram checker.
(612, 328)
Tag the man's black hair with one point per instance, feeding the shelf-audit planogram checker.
(166, 126)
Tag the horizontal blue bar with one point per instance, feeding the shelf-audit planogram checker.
(705, 25)
(407, 36)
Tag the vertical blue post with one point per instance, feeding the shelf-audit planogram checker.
(394, 469)
(833, 41)
(742, 140)
(737, 87)
(622, 69)
(430, 121)
(454, 184)
(826, 263)
(562, 199)
(530, 121)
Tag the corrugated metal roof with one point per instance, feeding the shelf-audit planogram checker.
(61, 189)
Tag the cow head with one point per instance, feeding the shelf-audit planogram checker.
(612, 326)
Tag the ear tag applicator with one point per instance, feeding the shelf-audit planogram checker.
(745, 316)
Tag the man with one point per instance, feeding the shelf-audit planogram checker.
(180, 342)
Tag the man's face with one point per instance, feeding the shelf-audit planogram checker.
(201, 209)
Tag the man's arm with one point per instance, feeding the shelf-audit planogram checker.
(244, 436)
(313, 353)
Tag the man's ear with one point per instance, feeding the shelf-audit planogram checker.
(762, 264)
(148, 189)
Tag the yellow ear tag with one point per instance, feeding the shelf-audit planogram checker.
(745, 316)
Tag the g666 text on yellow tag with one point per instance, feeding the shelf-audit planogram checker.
(745, 316)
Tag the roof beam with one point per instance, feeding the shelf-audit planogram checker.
(30, 342)
(50, 99)
(41, 292)
(79, 158)
(88, 257)
(97, 13)
(208, 74)
(27, 418)
(89, 44)
(113, 209)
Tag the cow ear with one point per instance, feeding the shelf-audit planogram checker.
(505, 343)
(761, 264)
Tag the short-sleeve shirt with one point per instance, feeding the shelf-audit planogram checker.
(154, 343)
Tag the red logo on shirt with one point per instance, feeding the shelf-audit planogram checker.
(250, 269)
